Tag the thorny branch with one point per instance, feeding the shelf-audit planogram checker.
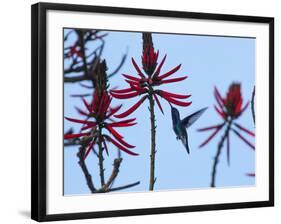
(107, 187)
(216, 159)
(86, 65)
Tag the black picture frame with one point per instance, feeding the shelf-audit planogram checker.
(39, 121)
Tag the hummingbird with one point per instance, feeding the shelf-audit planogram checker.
(180, 126)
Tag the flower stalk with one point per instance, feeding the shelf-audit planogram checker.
(153, 143)
(216, 159)
(101, 159)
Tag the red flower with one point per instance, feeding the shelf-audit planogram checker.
(74, 51)
(229, 109)
(146, 82)
(149, 60)
(231, 106)
(101, 111)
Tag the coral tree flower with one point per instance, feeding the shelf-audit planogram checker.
(74, 51)
(146, 82)
(101, 111)
(229, 109)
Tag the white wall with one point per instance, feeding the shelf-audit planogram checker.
(15, 110)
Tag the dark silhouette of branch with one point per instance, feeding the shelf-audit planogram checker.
(84, 168)
(82, 49)
(253, 105)
(86, 65)
(115, 171)
(107, 187)
(124, 187)
(216, 159)
(71, 143)
(76, 78)
(123, 59)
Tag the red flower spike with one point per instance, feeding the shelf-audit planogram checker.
(119, 146)
(101, 104)
(211, 127)
(138, 89)
(125, 143)
(125, 96)
(210, 137)
(131, 77)
(158, 102)
(81, 111)
(73, 51)
(137, 68)
(233, 101)
(94, 101)
(121, 141)
(69, 136)
(173, 80)
(244, 129)
(173, 95)
(89, 148)
(132, 109)
(114, 110)
(79, 121)
(244, 108)
(145, 84)
(113, 132)
(149, 60)
(243, 139)
(127, 90)
(219, 99)
(106, 106)
(88, 126)
(130, 82)
(221, 113)
(124, 121)
(120, 125)
(156, 74)
(87, 105)
(176, 102)
(167, 74)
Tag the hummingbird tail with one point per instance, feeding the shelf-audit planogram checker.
(187, 148)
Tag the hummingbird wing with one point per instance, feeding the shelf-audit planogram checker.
(189, 120)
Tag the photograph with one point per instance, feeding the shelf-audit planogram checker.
(154, 111)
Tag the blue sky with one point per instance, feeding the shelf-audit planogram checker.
(208, 62)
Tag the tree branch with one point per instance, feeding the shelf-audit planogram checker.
(253, 105)
(84, 168)
(216, 159)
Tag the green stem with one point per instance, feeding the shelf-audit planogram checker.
(100, 155)
(153, 144)
(216, 159)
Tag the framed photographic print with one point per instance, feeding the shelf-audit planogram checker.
(138, 111)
